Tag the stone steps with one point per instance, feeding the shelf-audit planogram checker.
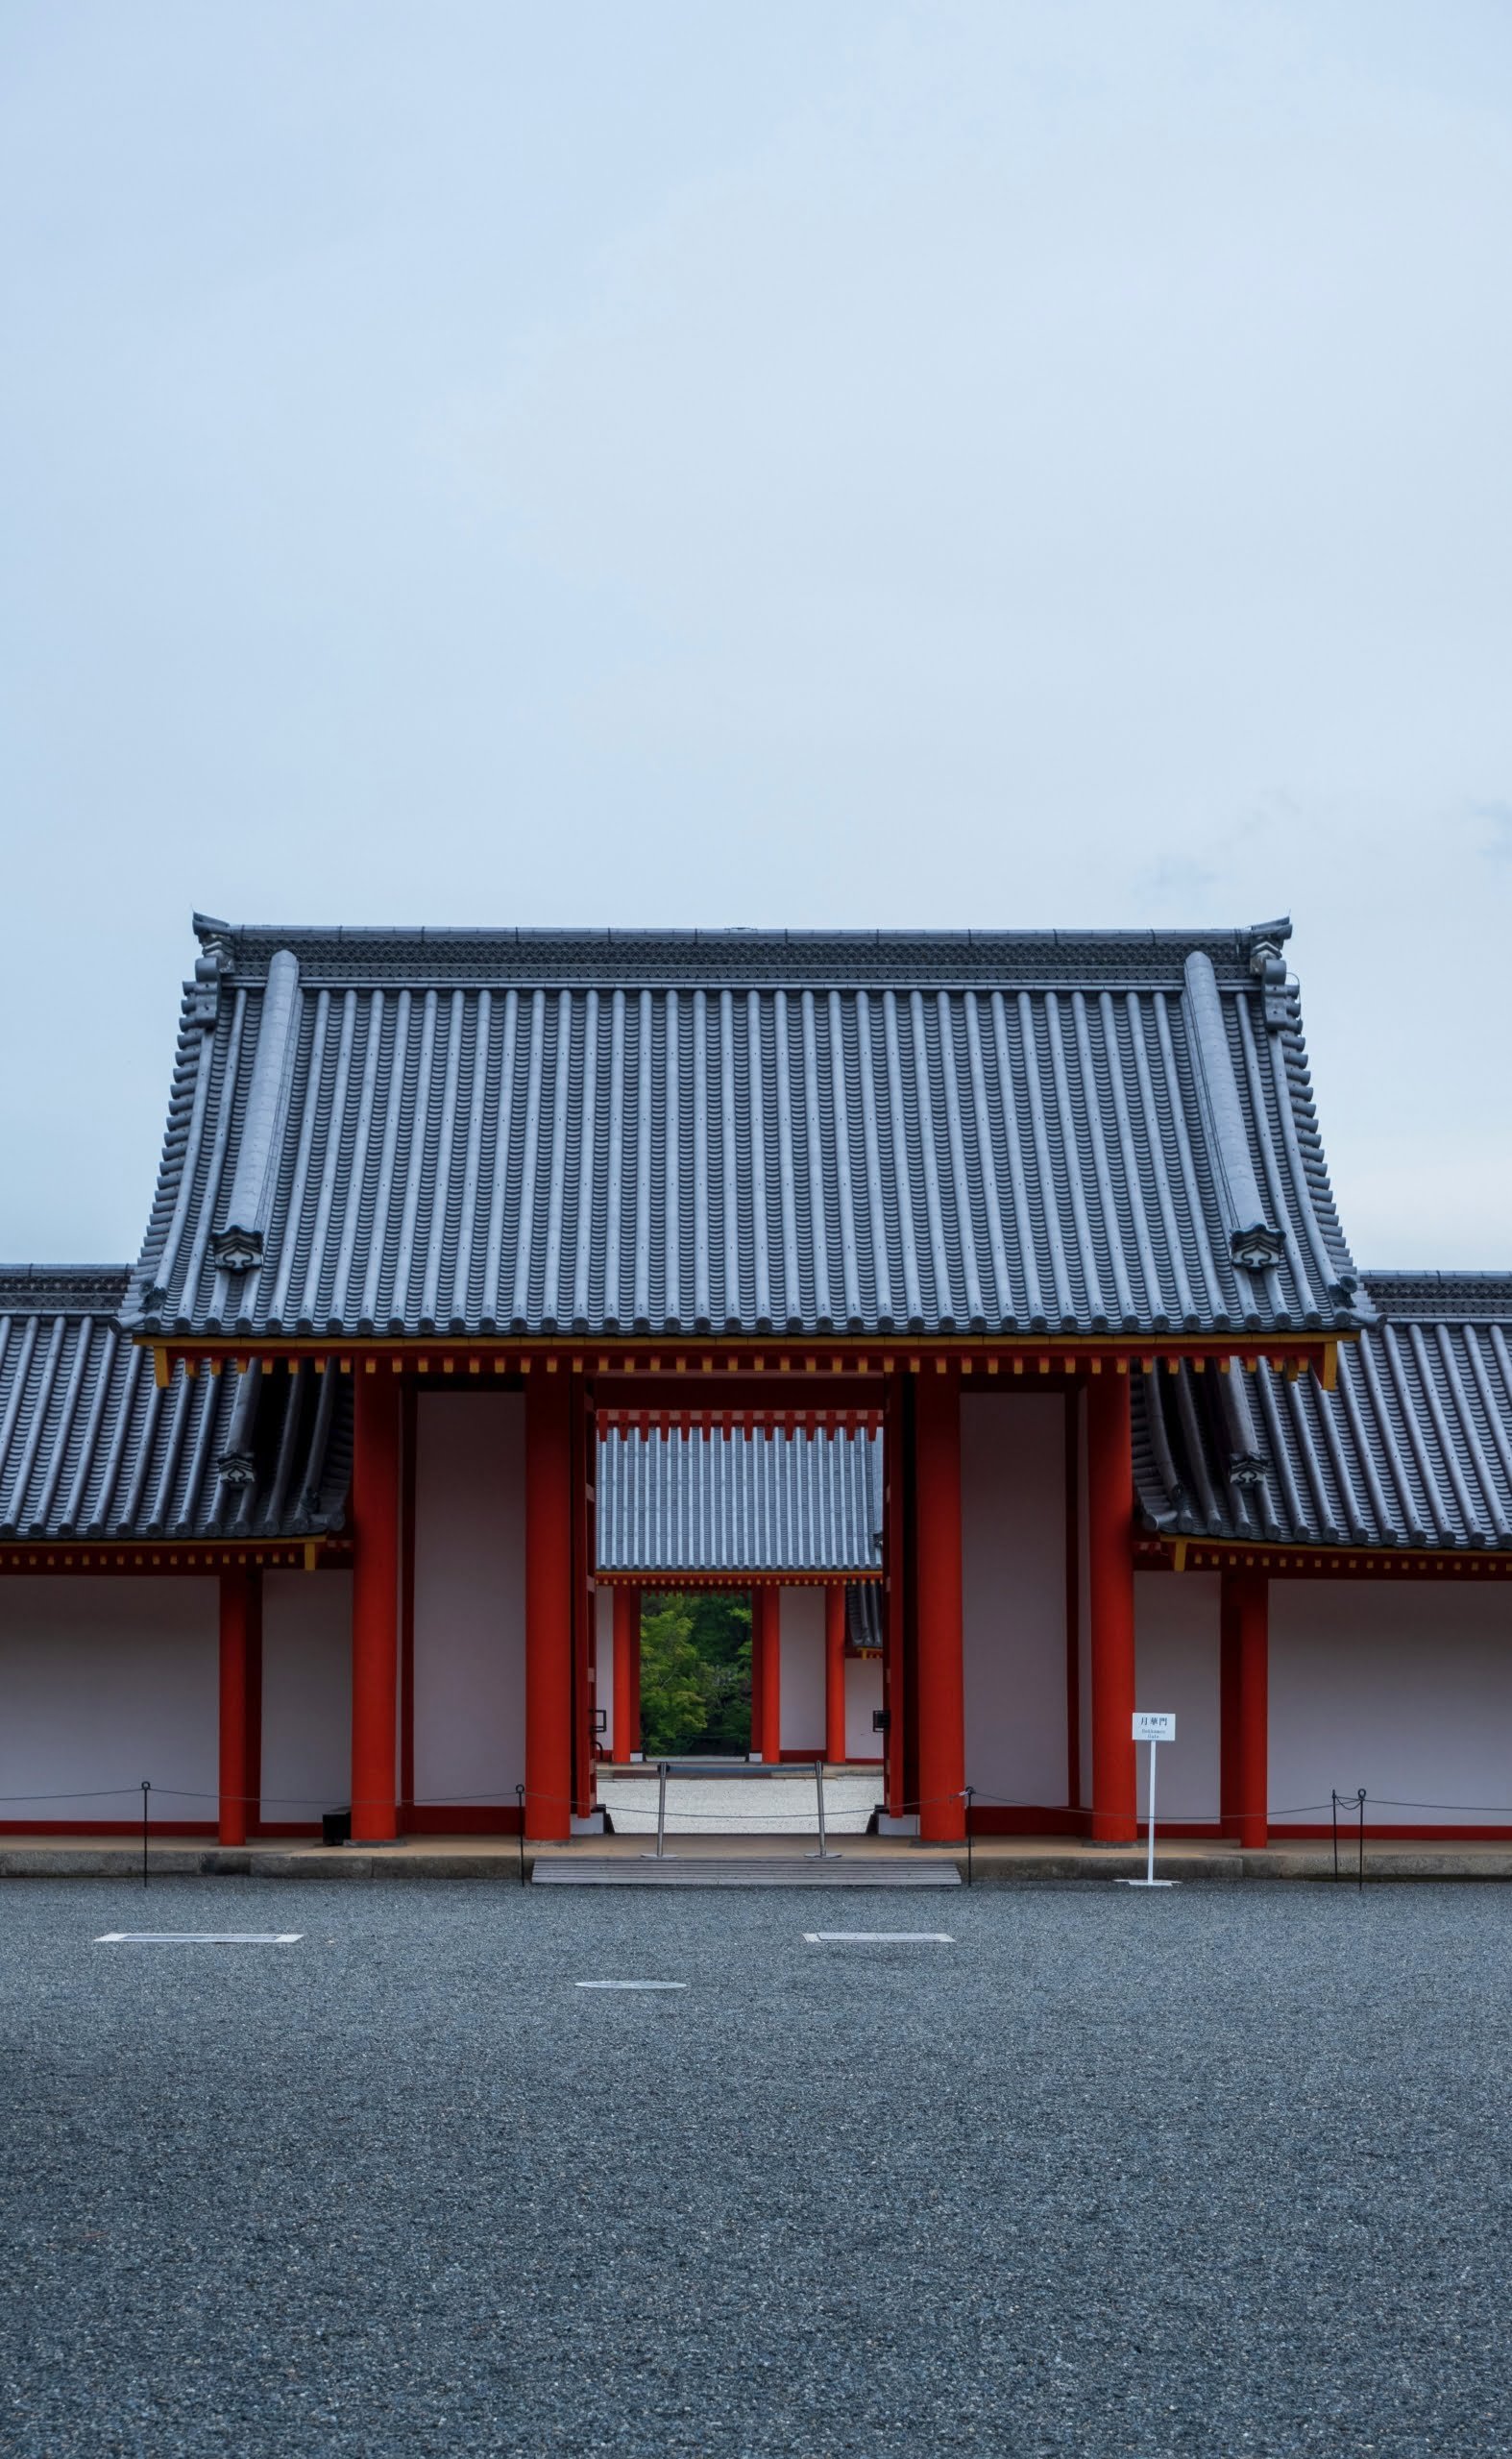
(693, 1869)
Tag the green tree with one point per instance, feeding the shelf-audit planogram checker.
(695, 1672)
(674, 1701)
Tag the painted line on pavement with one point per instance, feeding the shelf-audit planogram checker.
(881, 1937)
(199, 1937)
(630, 1984)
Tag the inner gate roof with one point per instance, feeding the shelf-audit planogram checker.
(402, 1132)
(713, 1501)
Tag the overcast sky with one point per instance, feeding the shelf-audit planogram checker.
(1042, 462)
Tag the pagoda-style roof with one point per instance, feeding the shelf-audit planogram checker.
(717, 1500)
(398, 1133)
(91, 1446)
(1413, 1449)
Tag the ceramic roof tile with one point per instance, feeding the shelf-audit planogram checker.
(1414, 1448)
(91, 1448)
(702, 1133)
(702, 1500)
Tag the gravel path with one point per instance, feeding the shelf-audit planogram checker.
(1220, 2173)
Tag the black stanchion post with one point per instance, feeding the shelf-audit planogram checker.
(520, 1796)
(1334, 1799)
(970, 1866)
(1361, 1878)
(146, 1790)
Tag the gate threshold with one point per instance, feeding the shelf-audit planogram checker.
(692, 1869)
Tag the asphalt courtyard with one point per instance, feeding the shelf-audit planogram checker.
(1220, 2171)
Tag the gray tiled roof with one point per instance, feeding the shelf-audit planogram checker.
(864, 1616)
(405, 1132)
(1413, 1449)
(90, 1447)
(696, 1501)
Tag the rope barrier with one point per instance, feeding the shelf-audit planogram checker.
(797, 1773)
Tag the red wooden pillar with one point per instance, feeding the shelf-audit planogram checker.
(1109, 1562)
(549, 1607)
(636, 1731)
(766, 1672)
(896, 1553)
(942, 1680)
(377, 1507)
(584, 1604)
(757, 1630)
(834, 1673)
(240, 1701)
(1231, 1801)
(1245, 1706)
(626, 1673)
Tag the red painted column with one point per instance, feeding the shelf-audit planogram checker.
(757, 1630)
(377, 1508)
(766, 1602)
(626, 1673)
(896, 1555)
(1231, 1800)
(240, 1701)
(549, 1607)
(1252, 1752)
(1109, 1558)
(937, 1539)
(834, 1673)
(636, 1739)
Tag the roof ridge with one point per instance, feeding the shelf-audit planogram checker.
(68, 1288)
(1427, 1294)
(216, 933)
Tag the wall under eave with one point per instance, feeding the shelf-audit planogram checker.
(469, 1683)
(862, 1698)
(1177, 1672)
(801, 1629)
(1403, 1689)
(1013, 1543)
(104, 1682)
(603, 1662)
(307, 1694)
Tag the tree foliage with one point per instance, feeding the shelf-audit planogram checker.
(695, 1673)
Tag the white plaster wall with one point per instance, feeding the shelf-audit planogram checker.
(862, 1696)
(1012, 1541)
(307, 1693)
(603, 1662)
(104, 1682)
(1406, 1691)
(1177, 1672)
(801, 1641)
(470, 1554)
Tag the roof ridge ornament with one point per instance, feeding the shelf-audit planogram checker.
(211, 968)
(1268, 965)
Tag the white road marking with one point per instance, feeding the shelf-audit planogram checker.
(199, 1937)
(882, 1937)
(632, 1985)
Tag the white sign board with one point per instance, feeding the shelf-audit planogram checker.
(1148, 1728)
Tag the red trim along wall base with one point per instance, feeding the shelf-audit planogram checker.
(205, 1830)
(463, 1818)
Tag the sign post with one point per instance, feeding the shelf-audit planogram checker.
(1153, 1729)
